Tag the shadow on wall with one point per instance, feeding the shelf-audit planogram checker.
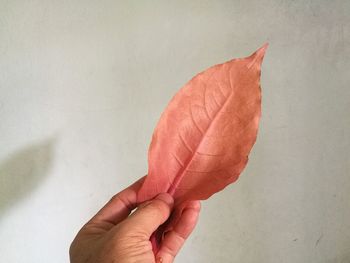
(22, 172)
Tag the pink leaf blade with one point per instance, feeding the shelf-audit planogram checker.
(216, 113)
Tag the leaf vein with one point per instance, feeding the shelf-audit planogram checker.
(178, 160)
(194, 122)
(185, 143)
(211, 154)
(181, 173)
(205, 101)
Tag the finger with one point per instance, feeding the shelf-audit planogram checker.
(119, 207)
(148, 217)
(174, 239)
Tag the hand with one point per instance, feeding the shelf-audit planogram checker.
(115, 236)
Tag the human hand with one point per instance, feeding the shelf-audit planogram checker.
(115, 236)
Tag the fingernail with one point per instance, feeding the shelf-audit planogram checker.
(167, 198)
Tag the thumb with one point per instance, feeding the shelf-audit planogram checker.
(149, 216)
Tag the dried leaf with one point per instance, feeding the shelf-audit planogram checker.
(203, 138)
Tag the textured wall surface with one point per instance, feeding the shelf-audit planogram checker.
(83, 83)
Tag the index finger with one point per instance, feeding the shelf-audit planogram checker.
(120, 205)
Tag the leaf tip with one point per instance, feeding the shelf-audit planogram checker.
(259, 54)
(264, 47)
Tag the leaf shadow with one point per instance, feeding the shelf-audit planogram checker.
(22, 172)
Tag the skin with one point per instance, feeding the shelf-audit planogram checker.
(114, 235)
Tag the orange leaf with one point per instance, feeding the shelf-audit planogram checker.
(203, 138)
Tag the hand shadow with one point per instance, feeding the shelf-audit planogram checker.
(22, 172)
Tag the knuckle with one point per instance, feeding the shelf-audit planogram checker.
(158, 206)
(131, 233)
(132, 246)
(121, 199)
(196, 206)
(115, 198)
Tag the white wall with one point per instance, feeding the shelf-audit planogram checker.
(82, 84)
